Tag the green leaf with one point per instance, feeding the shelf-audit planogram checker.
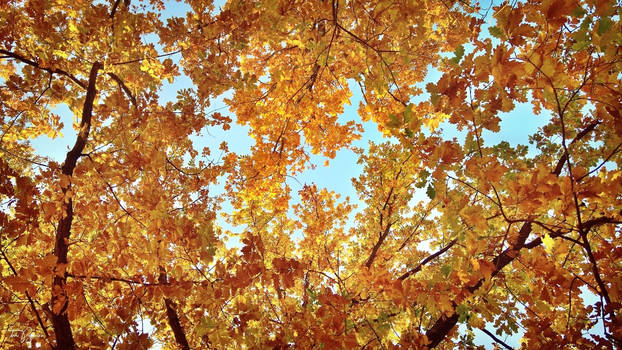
(580, 45)
(434, 96)
(513, 326)
(470, 144)
(408, 132)
(548, 95)
(431, 192)
(408, 113)
(459, 52)
(581, 36)
(463, 313)
(205, 326)
(446, 270)
(394, 122)
(578, 12)
(604, 25)
(495, 31)
(423, 179)
(313, 295)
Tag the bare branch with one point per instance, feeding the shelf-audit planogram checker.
(580, 135)
(496, 339)
(427, 260)
(114, 9)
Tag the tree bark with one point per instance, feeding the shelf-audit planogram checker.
(173, 318)
(60, 301)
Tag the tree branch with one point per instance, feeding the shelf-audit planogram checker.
(580, 135)
(374, 251)
(114, 9)
(125, 280)
(437, 333)
(59, 302)
(499, 341)
(115, 279)
(173, 318)
(30, 301)
(123, 87)
(38, 66)
(427, 260)
(615, 150)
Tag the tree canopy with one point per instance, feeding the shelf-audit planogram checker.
(127, 229)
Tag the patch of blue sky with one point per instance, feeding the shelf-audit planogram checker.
(344, 167)
(55, 149)
(482, 339)
(589, 298)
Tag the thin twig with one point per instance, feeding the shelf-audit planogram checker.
(427, 260)
(496, 339)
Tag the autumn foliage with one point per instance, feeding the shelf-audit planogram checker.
(127, 230)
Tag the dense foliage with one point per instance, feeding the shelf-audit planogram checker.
(510, 239)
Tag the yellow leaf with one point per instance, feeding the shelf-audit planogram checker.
(72, 27)
(61, 53)
(549, 244)
(435, 120)
(548, 68)
(473, 216)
